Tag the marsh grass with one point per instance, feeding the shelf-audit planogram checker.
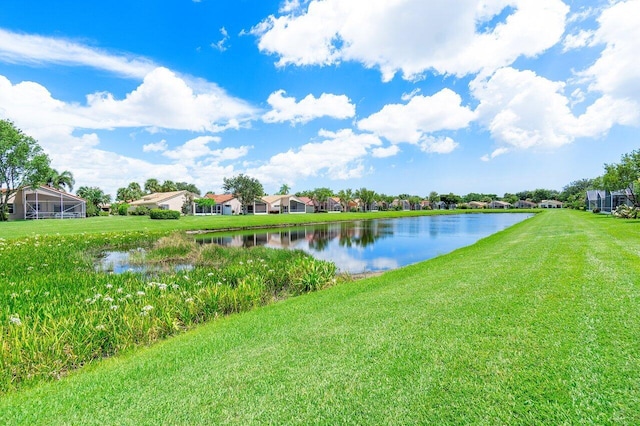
(59, 313)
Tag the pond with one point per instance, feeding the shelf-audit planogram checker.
(377, 244)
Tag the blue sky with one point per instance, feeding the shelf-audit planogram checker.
(399, 96)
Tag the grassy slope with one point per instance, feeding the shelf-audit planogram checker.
(539, 324)
(16, 229)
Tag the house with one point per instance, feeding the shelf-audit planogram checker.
(355, 205)
(477, 205)
(439, 205)
(401, 204)
(550, 204)
(173, 200)
(284, 204)
(309, 203)
(425, 204)
(606, 201)
(525, 204)
(331, 205)
(226, 204)
(495, 204)
(45, 202)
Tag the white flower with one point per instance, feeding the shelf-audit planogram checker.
(189, 300)
(175, 286)
(15, 319)
(120, 290)
(210, 274)
(140, 293)
(147, 308)
(108, 299)
(114, 307)
(109, 285)
(162, 286)
(101, 327)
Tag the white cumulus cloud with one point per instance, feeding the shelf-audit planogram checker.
(422, 115)
(338, 156)
(285, 108)
(413, 36)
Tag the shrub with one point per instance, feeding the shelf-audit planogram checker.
(103, 213)
(164, 214)
(140, 211)
(123, 209)
(596, 210)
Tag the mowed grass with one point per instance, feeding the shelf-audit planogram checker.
(538, 324)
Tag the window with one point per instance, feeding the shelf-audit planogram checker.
(10, 208)
(164, 206)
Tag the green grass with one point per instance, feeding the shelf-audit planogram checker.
(538, 324)
(59, 313)
(24, 228)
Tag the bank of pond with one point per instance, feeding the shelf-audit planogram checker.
(66, 306)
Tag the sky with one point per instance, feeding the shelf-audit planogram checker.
(398, 96)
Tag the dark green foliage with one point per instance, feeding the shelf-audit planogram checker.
(164, 214)
(140, 211)
(123, 209)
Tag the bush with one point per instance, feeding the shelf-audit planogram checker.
(123, 209)
(103, 213)
(164, 214)
(596, 210)
(140, 211)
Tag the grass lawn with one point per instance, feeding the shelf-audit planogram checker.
(538, 324)
(24, 228)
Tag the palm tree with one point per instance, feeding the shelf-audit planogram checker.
(284, 189)
(95, 197)
(60, 181)
(152, 185)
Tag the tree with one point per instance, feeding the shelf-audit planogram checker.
(320, 195)
(367, 197)
(130, 193)
(95, 197)
(284, 189)
(169, 186)
(625, 176)
(450, 199)
(346, 196)
(22, 163)
(245, 188)
(184, 186)
(152, 185)
(60, 181)
(433, 197)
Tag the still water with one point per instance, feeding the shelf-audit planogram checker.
(378, 244)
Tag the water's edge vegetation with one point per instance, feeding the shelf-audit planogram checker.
(60, 313)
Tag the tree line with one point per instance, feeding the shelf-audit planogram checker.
(24, 163)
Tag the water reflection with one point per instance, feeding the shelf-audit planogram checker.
(375, 245)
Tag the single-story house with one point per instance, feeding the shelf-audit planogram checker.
(550, 204)
(45, 202)
(331, 205)
(525, 204)
(402, 204)
(477, 204)
(226, 204)
(495, 204)
(425, 204)
(309, 203)
(173, 200)
(284, 204)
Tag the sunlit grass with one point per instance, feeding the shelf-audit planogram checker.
(538, 324)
